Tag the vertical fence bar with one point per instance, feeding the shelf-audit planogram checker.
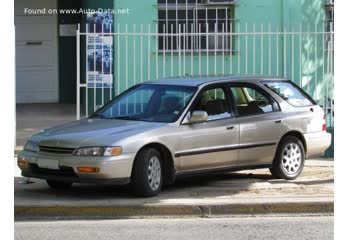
(223, 49)
(111, 59)
(323, 59)
(126, 58)
(231, 49)
(300, 55)
(269, 48)
(292, 54)
(216, 46)
(78, 71)
(246, 48)
(285, 52)
(308, 58)
(179, 49)
(192, 31)
(172, 52)
(163, 52)
(316, 64)
(126, 65)
(254, 54)
(328, 71)
(226, 29)
(200, 51)
(94, 68)
(134, 60)
(102, 63)
(184, 51)
(238, 46)
(149, 52)
(277, 52)
(207, 42)
(262, 50)
(157, 50)
(141, 52)
(86, 71)
(118, 43)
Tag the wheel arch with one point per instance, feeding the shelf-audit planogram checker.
(298, 135)
(168, 161)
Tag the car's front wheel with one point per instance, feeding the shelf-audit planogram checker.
(289, 160)
(147, 179)
(58, 185)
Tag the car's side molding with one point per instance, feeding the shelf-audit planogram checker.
(245, 146)
(222, 170)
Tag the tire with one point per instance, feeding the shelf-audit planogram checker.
(147, 177)
(289, 159)
(59, 185)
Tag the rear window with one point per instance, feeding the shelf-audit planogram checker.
(291, 93)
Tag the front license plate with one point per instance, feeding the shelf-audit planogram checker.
(48, 163)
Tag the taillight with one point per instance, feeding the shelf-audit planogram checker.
(324, 125)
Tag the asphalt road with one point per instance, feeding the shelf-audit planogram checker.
(280, 228)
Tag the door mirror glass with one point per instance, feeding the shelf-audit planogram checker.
(198, 116)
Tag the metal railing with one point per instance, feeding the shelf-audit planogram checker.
(303, 54)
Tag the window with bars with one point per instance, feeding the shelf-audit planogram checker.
(195, 25)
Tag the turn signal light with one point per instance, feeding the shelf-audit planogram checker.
(22, 164)
(88, 169)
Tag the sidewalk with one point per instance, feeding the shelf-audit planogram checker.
(251, 192)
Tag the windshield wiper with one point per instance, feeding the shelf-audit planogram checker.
(96, 115)
(127, 118)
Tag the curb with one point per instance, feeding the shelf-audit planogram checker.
(144, 211)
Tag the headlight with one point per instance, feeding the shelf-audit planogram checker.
(98, 151)
(30, 146)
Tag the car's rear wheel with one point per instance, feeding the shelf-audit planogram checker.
(289, 160)
(147, 179)
(59, 185)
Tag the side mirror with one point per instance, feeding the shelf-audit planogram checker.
(198, 116)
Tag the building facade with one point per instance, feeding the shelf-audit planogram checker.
(157, 39)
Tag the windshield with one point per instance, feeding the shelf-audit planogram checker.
(148, 102)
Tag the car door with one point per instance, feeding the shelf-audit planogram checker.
(261, 123)
(210, 144)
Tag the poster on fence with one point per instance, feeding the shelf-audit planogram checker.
(100, 50)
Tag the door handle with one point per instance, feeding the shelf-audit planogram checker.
(278, 121)
(34, 43)
(230, 127)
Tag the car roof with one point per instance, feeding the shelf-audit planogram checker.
(196, 81)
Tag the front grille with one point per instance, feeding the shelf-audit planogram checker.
(56, 150)
(62, 172)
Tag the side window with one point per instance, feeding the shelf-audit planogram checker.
(214, 102)
(290, 93)
(250, 101)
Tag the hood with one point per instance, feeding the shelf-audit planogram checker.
(92, 132)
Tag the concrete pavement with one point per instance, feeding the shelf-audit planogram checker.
(279, 228)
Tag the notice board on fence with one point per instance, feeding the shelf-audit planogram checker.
(99, 50)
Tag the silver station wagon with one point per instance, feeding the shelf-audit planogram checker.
(157, 131)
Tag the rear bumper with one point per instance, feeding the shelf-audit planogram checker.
(317, 143)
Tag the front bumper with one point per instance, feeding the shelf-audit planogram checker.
(317, 143)
(116, 169)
